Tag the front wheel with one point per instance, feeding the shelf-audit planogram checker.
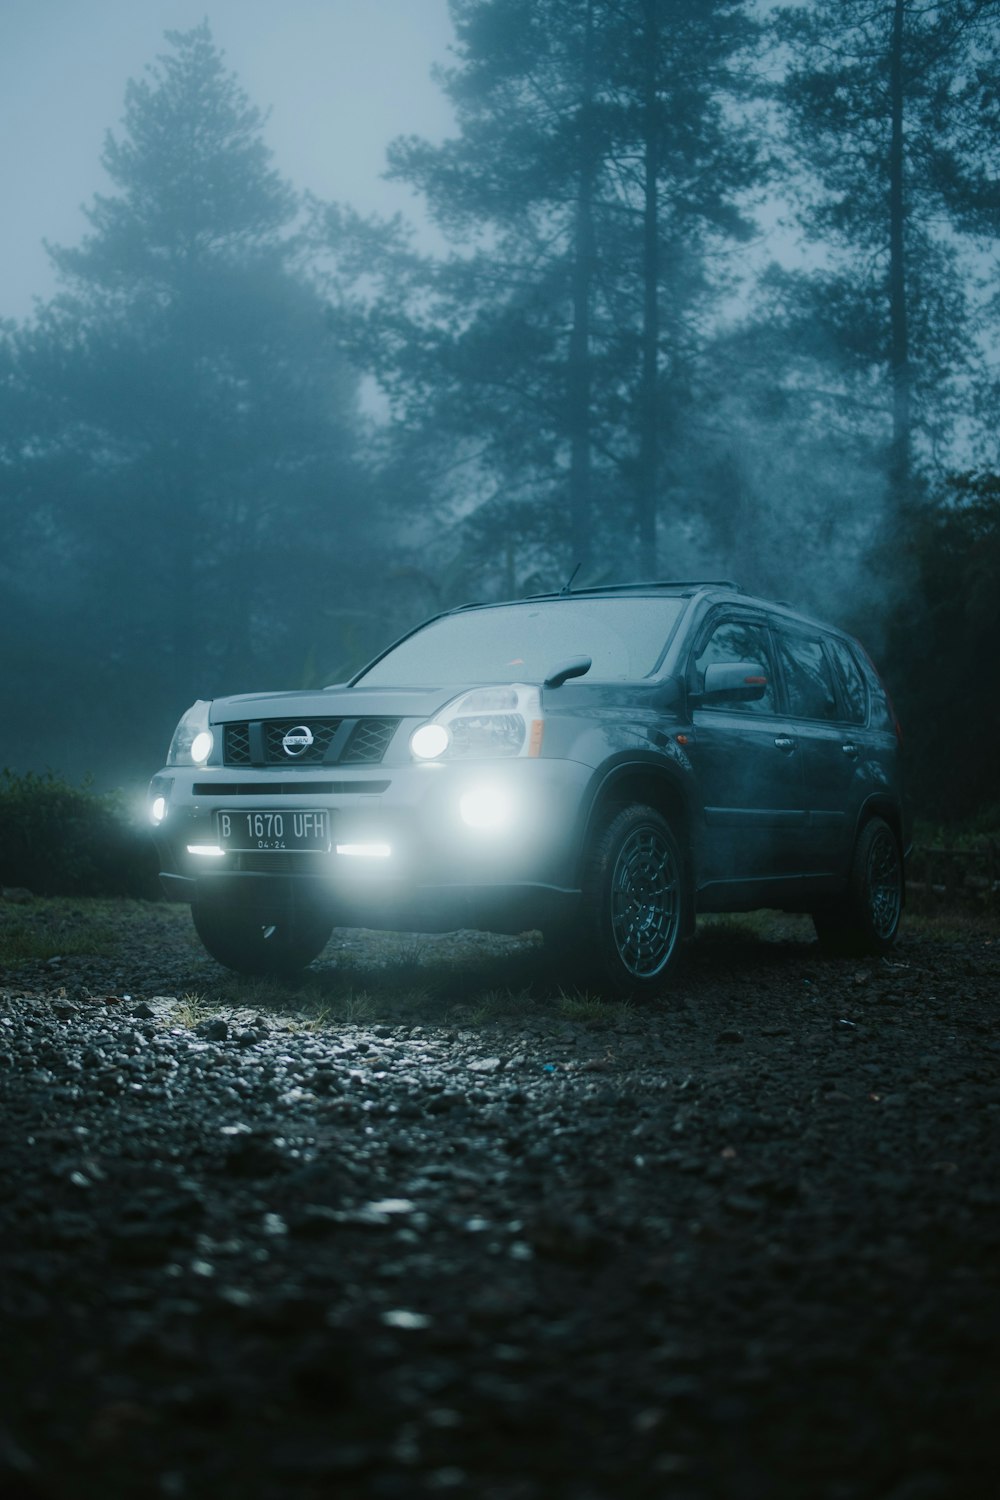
(254, 942)
(634, 907)
(867, 919)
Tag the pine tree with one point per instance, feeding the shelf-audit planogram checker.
(886, 100)
(581, 195)
(190, 451)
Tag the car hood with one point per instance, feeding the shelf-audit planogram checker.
(334, 703)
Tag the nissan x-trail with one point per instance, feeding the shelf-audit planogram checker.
(600, 765)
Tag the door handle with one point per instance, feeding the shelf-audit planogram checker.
(783, 742)
(852, 750)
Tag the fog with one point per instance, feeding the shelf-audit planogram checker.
(341, 80)
(324, 317)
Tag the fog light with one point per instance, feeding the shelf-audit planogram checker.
(370, 851)
(211, 850)
(158, 811)
(487, 808)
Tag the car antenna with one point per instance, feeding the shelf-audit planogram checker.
(567, 587)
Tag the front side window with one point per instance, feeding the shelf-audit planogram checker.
(808, 679)
(737, 641)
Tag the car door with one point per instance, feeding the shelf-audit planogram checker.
(831, 751)
(747, 763)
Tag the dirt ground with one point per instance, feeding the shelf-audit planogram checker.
(424, 1225)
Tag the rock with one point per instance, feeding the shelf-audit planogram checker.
(216, 1029)
(344, 1257)
(401, 1317)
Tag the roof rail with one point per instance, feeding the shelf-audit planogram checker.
(658, 583)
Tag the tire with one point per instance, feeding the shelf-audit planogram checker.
(254, 942)
(634, 908)
(866, 921)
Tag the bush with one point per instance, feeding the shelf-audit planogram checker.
(61, 840)
(942, 660)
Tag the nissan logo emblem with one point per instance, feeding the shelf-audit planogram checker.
(297, 741)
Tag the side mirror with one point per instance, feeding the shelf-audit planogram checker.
(731, 682)
(577, 668)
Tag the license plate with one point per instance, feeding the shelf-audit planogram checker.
(287, 829)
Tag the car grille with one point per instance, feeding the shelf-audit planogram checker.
(261, 742)
(322, 731)
(237, 752)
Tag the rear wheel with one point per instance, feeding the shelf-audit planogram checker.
(866, 920)
(634, 907)
(254, 942)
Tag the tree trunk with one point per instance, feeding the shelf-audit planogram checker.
(579, 374)
(646, 479)
(899, 354)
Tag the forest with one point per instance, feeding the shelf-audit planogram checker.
(714, 293)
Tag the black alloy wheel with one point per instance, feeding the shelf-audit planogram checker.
(635, 903)
(253, 942)
(867, 920)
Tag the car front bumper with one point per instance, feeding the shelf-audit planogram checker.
(415, 862)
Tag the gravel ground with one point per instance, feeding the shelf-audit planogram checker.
(418, 1226)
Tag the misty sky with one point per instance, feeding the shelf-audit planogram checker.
(341, 77)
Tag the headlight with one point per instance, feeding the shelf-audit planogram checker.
(193, 740)
(504, 720)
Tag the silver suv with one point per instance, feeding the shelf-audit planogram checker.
(600, 765)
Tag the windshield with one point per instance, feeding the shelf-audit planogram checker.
(526, 643)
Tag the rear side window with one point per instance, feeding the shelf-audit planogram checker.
(732, 641)
(852, 682)
(808, 679)
(882, 716)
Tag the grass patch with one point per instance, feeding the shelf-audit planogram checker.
(192, 1009)
(755, 927)
(590, 1010)
(499, 1005)
(55, 929)
(950, 924)
(20, 942)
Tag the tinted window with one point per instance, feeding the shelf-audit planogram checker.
(808, 679)
(526, 642)
(882, 716)
(852, 682)
(737, 640)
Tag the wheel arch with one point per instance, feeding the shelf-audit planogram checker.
(650, 783)
(882, 806)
